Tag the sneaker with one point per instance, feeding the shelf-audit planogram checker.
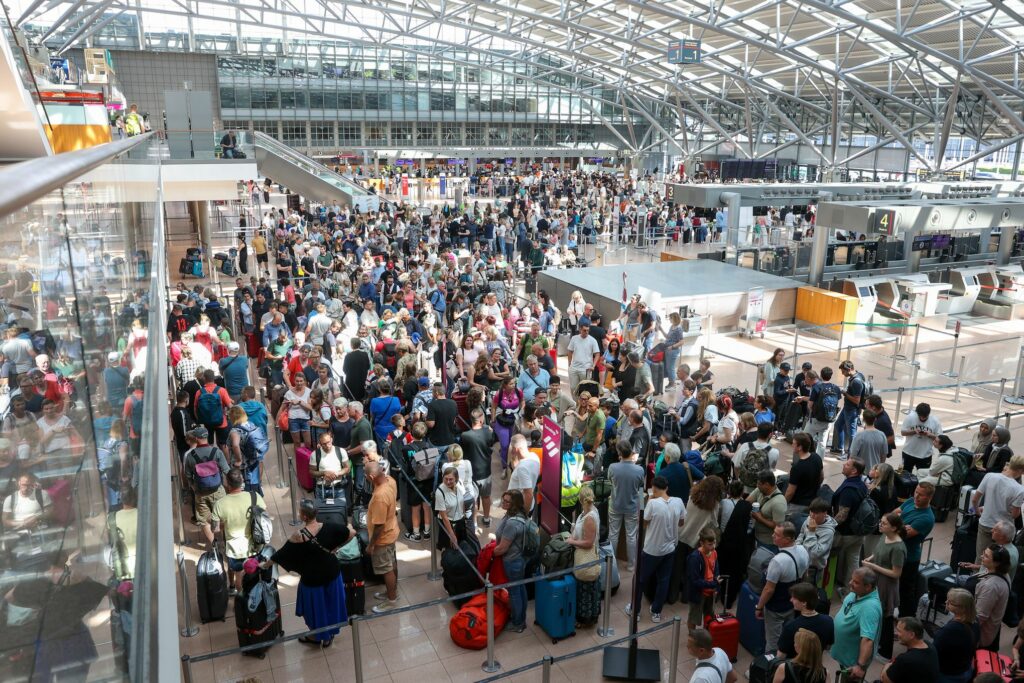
(426, 534)
(232, 592)
(516, 629)
(656, 617)
(630, 567)
(843, 456)
(629, 609)
(414, 538)
(384, 607)
(486, 521)
(383, 596)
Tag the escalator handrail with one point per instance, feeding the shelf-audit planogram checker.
(264, 140)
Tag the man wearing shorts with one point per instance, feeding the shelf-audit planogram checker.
(205, 498)
(382, 526)
(232, 512)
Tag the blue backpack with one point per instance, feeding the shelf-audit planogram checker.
(830, 396)
(209, 410)
(136, 415)
(254, 444)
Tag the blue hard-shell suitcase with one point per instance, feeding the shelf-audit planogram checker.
(751, 628)
(555, 607)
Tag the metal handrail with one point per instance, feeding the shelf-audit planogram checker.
(23, 183)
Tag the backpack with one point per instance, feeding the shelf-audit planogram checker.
(865, 518)
(390, 353)
(868, 389)
(135, 415)
(209, 409)
(962, 459)
(827, 408)
(557, 554)
(254, 444)
(107, 455)
(207, 472)
(261, 528)
(754, 462)
(424, 462)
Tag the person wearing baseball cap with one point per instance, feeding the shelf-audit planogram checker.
(782, 387)
(205, 469)
(235, 371)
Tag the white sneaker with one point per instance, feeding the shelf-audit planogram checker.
(384, 607)
(382, 595)
(656, 617)
(629, 609)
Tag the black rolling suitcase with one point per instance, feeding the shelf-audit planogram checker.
(253, 622)
(456, 573)
(355, 578)
(965, 541)
(212, 587)
(331, 504)
(185, 267)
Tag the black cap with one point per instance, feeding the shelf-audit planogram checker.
(785, 366)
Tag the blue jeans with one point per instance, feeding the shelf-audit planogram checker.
(661, 568)
(546, 324)
(516, 570)
(671, 357)
(357, 475)
(846, 423)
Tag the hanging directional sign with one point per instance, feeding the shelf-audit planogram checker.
(684, 52)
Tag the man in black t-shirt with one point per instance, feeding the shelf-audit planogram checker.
(441, 418)
(804, 597)
(919, 663)
(805, 476)
(477, 443)
(177, 323)
(883, 422)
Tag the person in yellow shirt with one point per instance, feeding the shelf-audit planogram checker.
(232, 513)
(259, 247)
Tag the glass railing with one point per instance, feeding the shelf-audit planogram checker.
(81, 282)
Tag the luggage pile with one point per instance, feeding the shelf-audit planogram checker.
(192, 264)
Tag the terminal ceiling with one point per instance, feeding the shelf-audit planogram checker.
(897, 69)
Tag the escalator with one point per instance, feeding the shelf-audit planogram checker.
(299, 173)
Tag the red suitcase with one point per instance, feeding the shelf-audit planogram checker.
(986, 661)
(725, 629)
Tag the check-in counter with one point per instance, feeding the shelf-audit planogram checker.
(1010, 280)
(919, 297)
(963, 293)
(993, 300)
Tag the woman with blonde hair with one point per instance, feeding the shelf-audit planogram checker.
(806, 667)
(708, 414)
(957, 640)
(575, 310)
(585, 532)
(465, 470)
(770, 370)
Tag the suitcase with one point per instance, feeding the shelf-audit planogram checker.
(62, 511)
(757, 566)
(555, 607)
(184, 267)
(906, 482)
(751, 628)
(302, 475)
(963, 505)
(931, 570)
(333, 510)
(197, 269)
(253, 626)
(944, 500)
(931, 615)
(355, 586)
(405, 510)
(965, 541)
(762, 668)
(212, 587)
(986, 661)
(457, 575)
(725, 629)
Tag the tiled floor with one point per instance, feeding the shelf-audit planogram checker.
(416, 646)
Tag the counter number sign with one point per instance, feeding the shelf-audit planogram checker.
(884, 222)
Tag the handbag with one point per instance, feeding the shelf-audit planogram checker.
(282, 419)
(583, 556)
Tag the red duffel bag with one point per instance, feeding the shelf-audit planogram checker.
(469, 625)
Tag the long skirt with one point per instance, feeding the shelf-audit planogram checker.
(321, 606)
(588, 601)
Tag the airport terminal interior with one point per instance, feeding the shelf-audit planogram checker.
(547, 340)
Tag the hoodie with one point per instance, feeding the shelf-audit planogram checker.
(818, 543)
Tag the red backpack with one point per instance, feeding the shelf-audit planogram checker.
(469, 625)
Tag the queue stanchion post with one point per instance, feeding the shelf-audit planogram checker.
(796, 343)
(952, 356)
(999, 401)
(849, 351)
(491, 665)
(357, 654)
(1006, 420)
(913, 386)
(186, 668)
(895, 357)
(959, 379)
(913, 347)
(434, 574)
(293, 492)
(839, 349)
(1018, 375)
(278, 442)
(899, 400)
(606, 630)
(189, 629)
(545, 675)
(673, 664)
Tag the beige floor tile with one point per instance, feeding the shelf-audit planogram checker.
(341, 661)
(314, 671)
(407, 652)
(426, 671)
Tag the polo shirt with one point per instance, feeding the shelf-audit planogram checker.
(857, 618)
(921, 521)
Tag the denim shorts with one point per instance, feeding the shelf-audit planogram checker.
(296, 424)
(236, 565)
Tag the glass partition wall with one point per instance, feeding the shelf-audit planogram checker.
(77, 468)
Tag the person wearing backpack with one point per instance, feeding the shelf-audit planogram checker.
(518, 543)
(232, 512)
(845, 502)
(205, 467)
(211, 407)
(247, 445)
(823, 399)
(853, 400)
(751, 458)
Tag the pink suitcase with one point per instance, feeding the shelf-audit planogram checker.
(302, 475)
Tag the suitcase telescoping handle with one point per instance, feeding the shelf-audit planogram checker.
(929, 542)
(724, 590)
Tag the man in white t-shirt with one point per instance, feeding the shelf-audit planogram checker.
(713, 665)
(920, 427)
(583, 352)
(785, 569)
(1001, 496)
(329, 464)
(26, 508)
(664, 515)
(525, 469)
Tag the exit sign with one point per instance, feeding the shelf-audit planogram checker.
(684, 52)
